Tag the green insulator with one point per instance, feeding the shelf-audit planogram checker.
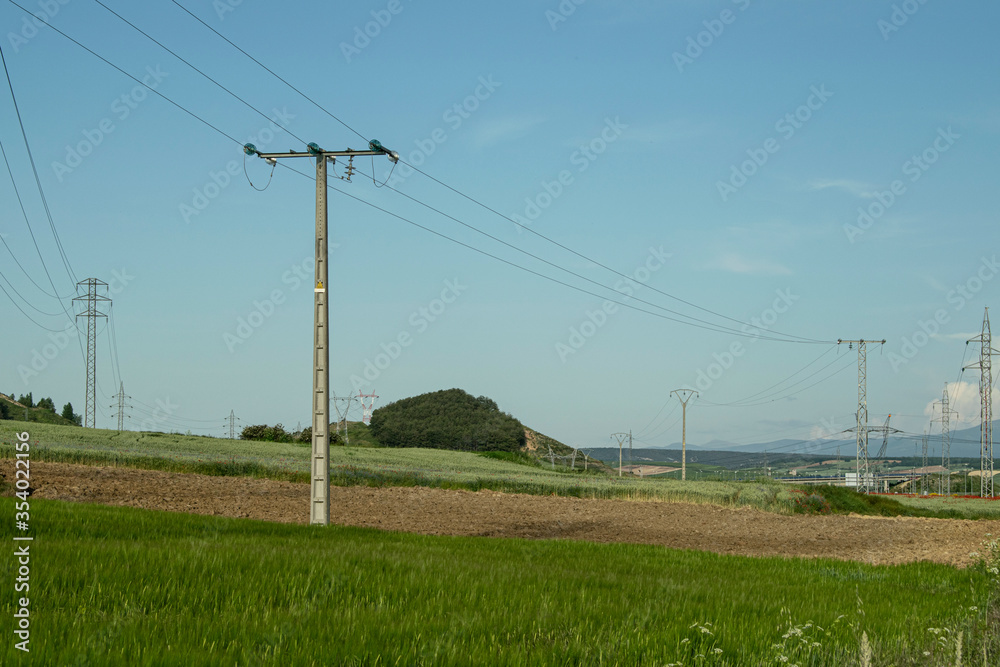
(314, 149)
(376, 145)
(249, 149)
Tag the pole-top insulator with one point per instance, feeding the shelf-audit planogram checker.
(376, 145)
(314, 148)
(249, 149)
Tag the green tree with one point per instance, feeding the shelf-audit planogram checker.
(67, 412)
(47, 404)
(4, 410)
(449, 419)
(26, 400)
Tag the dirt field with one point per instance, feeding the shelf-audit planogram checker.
(491, 514)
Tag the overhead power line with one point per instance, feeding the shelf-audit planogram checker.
(271, 72)
(593, 261)
(38, 182)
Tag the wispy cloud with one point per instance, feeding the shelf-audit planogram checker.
(963, 397)
(735, 263)
(954, 336)
(856, 188)
(497, 130)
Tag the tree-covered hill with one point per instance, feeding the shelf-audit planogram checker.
(448, 419)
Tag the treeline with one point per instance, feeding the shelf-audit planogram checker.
(448, 419)
(277, 433)
(8, 410)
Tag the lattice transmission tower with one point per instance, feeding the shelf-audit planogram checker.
(231, 421)
(984, 365)
(90, 302)
(865, 481)
(945, 420)
(120, 405)
(342, 414)
(367, 407)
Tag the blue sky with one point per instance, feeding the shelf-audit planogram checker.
(818, 170)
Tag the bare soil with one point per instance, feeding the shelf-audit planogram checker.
(744, 531)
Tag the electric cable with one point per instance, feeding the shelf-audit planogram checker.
(38, 182)
(477, 202)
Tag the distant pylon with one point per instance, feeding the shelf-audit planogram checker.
(984, 365)
(923, 467)
(90, 300)
(232, 424)
(945, 420)
(121, 406)
(865, 481)
(342, 414)
(367, 408)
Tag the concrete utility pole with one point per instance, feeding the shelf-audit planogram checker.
(620, 437)
(985, 366)
(630, 464)
(684, 395)
(865, 482)
(91, 299)
(319, 506)
(946, 413)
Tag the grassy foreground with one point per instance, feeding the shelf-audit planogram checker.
(121, 586)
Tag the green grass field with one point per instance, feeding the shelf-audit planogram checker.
(967, 507)
(370, 466)
(121, 586)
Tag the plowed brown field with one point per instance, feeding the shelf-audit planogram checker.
(743, 531)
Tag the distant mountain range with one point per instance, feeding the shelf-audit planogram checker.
(964, 443)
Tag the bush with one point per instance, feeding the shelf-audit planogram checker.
(814, 503)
